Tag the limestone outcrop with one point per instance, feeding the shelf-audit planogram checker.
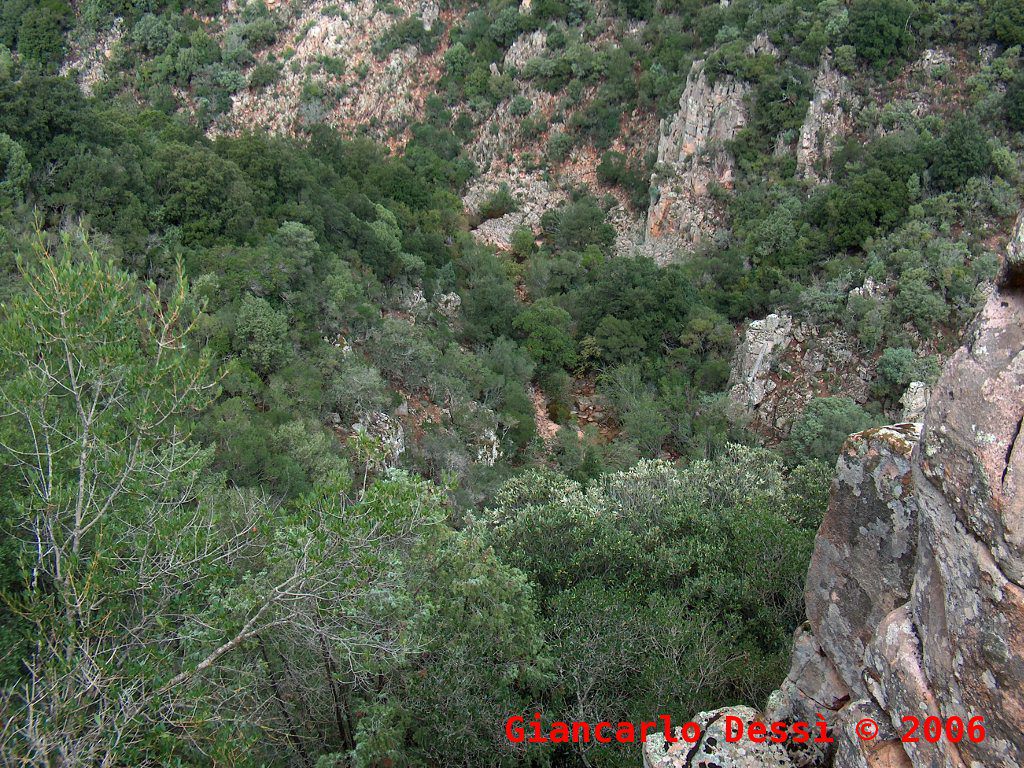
(914, 596)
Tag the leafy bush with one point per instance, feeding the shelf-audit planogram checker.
(880, 29)
(964, 152)
(261, 335)
(409, 31)
(14, 172)
(898, 367)
(1006, 18)
(823, 427)
(260, 32)
(578, 225)
(41, 34)
(612, 168)
(601, 576)
(520, 106)
(152, 34)
(558, 147)
(498, 203)
(547, 335)
(264, 74)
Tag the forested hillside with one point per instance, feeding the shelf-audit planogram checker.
(370, 373)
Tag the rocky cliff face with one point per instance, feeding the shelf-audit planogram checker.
(828, 119)
(914, 596)
(693, 160)
(781, 364)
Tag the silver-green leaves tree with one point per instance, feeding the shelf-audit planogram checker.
(157, 604)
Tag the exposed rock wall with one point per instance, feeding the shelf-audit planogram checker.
(763, 344)
(693, 159)
(781, 364)
(864, 553)
(828, 119)
(914, 596)
(967, 602)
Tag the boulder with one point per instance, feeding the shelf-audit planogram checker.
(972, 453)
(896, 680)
(812, 689)
(914, 591)
(884, 751)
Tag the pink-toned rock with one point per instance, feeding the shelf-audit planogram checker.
(812, 689)
(972, 451)
(897, 682)
(968, 602)
(864, 554)
(692, 153)
(883, 751)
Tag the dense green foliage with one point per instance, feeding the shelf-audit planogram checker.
(274, 492)
(709, 559)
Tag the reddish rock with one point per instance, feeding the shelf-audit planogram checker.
(864, 554)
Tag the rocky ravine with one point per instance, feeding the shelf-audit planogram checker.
(915, 593)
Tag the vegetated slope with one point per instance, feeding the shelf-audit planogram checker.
(356, 323)
(890, 640)
(803, 153)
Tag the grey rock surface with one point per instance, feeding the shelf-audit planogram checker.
(914, 591)
(780, 365)
(827, 120)
(915, 400)
(712, 749)
(764, 341)
(864, 553)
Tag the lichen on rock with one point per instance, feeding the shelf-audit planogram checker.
(712, 749)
